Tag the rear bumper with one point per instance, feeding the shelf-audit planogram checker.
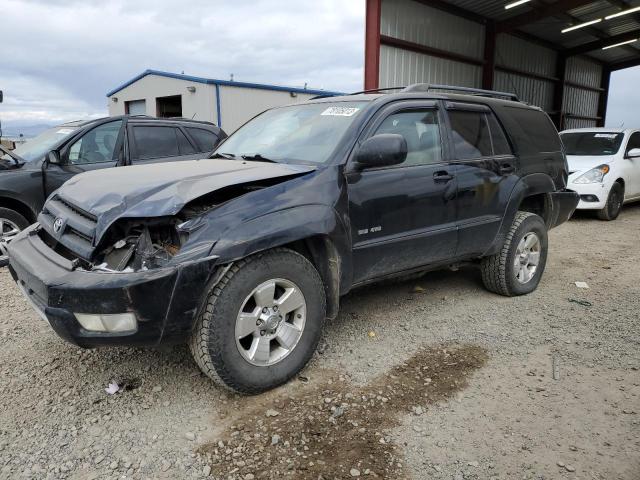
(164, 301)
(563, 205)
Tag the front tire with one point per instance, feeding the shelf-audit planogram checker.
(518, 267)
(261, 323)
(11, 223)
(614, 203)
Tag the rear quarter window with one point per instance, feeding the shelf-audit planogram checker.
(531, 130)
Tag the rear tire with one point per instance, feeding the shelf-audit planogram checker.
(11, 223)
(611, 210)
(234, 352)
(518, 267)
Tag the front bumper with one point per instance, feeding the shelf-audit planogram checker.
(591, 191)
(563, 204)
(164, 301)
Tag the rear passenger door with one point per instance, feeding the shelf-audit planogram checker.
(153, 143)
(486, 171)
(403, 216)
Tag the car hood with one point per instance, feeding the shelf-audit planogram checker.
(583, 163)
(162, 189)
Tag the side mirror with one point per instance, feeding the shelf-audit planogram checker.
(382, 150)
(53, 158)
(634, 153)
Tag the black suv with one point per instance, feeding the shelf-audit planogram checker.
(246, 254)
(29, 174)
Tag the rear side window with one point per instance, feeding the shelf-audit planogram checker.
(155, 142)
(498, 138)
(205, 139)
(471, 134)
(532, 131)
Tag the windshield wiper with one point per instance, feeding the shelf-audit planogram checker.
(256, 157)
(228, 156)
(16, 158)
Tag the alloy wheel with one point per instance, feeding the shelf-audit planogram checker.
(8, 230)
(527, 257)
(270, 322)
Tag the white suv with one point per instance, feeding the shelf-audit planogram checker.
(604, 168)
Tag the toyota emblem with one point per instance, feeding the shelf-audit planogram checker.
(57, 225)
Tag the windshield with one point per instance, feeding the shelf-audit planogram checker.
(592, 143)
(308, 133)
(36, 147)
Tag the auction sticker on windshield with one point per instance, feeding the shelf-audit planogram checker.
(340, 111)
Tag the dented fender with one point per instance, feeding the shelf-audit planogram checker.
(280, 228)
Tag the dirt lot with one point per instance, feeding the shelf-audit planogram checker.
(428, 378)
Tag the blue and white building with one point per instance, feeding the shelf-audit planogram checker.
(226, 103)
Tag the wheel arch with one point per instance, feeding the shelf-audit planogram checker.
(532, 194)
(314, 231)
(18, 206)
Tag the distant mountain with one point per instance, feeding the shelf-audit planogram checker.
(28, 131)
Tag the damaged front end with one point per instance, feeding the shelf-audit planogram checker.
(137, 246)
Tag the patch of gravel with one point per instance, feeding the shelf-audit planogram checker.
(518, 416)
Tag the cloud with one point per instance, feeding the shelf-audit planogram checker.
(60, 57)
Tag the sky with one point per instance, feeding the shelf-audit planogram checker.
(624, 99)
(60, 57)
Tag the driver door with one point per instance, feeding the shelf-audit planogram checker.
(100, 147)
(404, 216)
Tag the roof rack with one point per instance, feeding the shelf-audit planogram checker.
(373, 90)
(427, 87)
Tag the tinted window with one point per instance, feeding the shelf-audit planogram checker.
(592, 143)
(184, 145)
(532, 131)
(421, 130)
(205, 139)
(471, 134)
(155, 142)
(97, 145)
(498, 138)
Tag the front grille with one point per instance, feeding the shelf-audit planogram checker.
(78, 229)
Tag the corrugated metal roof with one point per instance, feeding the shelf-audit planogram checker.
(549, 29)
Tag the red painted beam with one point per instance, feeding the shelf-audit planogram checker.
(372, 45)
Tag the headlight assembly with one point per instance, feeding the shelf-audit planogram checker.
(595, 175)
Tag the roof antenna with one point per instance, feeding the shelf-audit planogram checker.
(622, 124)
(232, 77)
(182, 72)
(305, 85)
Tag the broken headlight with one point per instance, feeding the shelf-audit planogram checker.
(140, 247)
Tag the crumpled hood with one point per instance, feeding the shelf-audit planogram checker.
(582, 164)
(162, 189)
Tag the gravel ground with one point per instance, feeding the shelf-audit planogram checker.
(424, 378)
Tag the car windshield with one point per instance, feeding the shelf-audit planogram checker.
(36, 147)
(307, 133)
(592, 143)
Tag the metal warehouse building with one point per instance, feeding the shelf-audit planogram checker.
(558, 55)
(228, 104)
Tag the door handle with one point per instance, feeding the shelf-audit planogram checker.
(506, 169)
(442, 176)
